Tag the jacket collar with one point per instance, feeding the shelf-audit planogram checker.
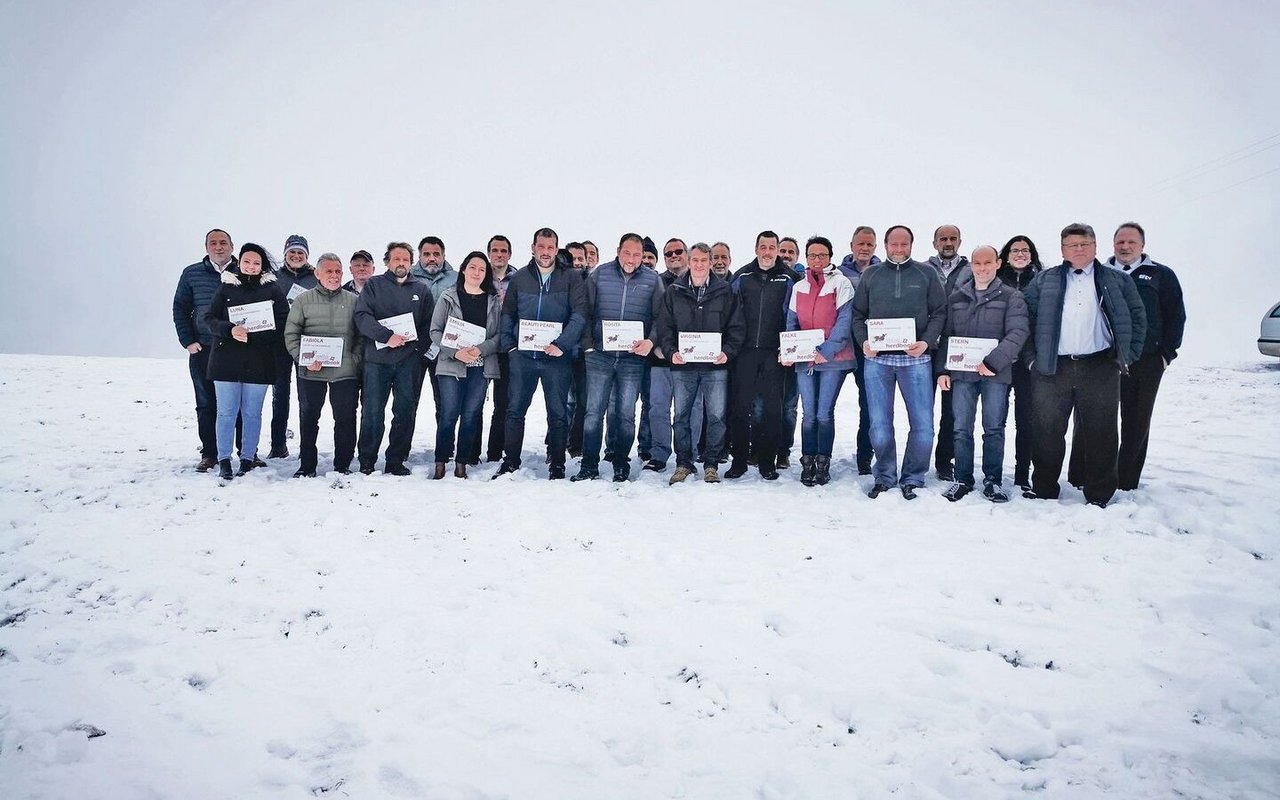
(233, 278)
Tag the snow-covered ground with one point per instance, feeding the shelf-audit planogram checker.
(162, 636)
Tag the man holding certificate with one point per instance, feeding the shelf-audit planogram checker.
(391, 310)
(543, 317)
(899, 309)
(623, 301)
(320, 336)
(987, 325)
(700, 325)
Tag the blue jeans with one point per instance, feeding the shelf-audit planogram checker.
(613, 386)
(661, 393)
(712, 385)
(556, 374)
(380, 382)
(460, 398)
(243, 400)
(916, 384)
(818, 392)
(995, 410)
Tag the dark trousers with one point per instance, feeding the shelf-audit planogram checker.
(790, 411)
(426, 371)
(756, 372)
(342, 404)
(381, 381)
(863, 453)
(498, 421)
(578, 414)
(555, 374)
(1137, 401)
(1024, 423)
(1089, 388)
(945, 450)
(206, 401)
(461, 401)
(280, 400)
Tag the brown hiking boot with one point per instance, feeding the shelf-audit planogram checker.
(206, 463)
(679, 475)
(712, 475)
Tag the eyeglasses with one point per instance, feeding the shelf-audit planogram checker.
(673, 253)
(1020, 251)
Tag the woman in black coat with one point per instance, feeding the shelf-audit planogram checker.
(247, 314)
(1020, 263)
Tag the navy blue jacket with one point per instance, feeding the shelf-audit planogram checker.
(1162, 299)
(305, 277)
(612, 295)
(195, 289)
(1122, 310)
(764, 296)
(383, 297)
(561, 299)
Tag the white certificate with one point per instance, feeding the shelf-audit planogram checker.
(800, 345)
(294, 291)
(895, 333)
(325, 349)
(621, 334)
(253, 317)
(458, 333)
(965, 354)
(699, 348)
(536, 335)
(401, 324)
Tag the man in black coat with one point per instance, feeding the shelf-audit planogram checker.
(950, 266)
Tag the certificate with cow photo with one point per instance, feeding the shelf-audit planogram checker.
(891, 333)
(325, 349)
(536, 334)
(699, 348)
(458, 333)
(401, 324)
(800, 345)
(253, 317)
(621, 334)
(964, 354)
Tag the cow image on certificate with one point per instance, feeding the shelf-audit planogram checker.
(893, 333)
(699, 348)
(325, 349)
(253, 317)
(964, 353)
(401, 324)
(458, 333)
(621, 334)
(800, 345)
(536, 334)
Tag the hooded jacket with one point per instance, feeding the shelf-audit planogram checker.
(717, 311)
(1122, 310)
(447, 277)
(450, 306)
(320, 312)
(253, 361)
(997, 312)
(828, 306)
(763, 295)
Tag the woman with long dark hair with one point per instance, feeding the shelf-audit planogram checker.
(463, 373)
(1020, 262)
(247, 314)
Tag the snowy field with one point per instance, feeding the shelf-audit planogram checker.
(375, 637)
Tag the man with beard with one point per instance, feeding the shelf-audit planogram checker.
(438, 274)
(391, 370)
(499, 248)
(196, 286)
(862, 256)
(789, 253)
(950, 265)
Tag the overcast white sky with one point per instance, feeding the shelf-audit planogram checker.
(132, 128)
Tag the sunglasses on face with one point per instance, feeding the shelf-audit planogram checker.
(673, 253)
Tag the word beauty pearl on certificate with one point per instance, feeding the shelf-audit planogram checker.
(536, 334)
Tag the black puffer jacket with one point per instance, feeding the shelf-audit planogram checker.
(998, 312)
(253, 361)
(717, 312)
(764, 295)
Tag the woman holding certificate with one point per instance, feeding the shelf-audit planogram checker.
(819, 342)
(465, 328)
(247, 314)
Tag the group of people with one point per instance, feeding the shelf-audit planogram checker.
(718, 362)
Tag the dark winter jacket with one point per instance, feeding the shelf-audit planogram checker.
(909, 289)
(828, 307)
(383, 297)
(1122, 310)
(998, 312)
(446, 278)
(561, 299)
(304, 279)
(717, 312)
(196, 287)
(849, 268)
(1161, 295)
(253, 361)
(1019, 279)
(450, 306)
(949, 279)
(320, 312)
(763, 295)
(613, 295)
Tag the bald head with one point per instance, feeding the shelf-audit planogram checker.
(984, 263)
(984, 249)
(946, 241)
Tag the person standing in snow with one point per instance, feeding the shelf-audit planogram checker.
(438, 274)
(243, 363)
(1020, 262)
(896, 289)
(294, 277)
(500, 272)
(821, 300)
(950, 266)
(1088, 325)
(327, 311)
(862, 256)
(657, 391)
(196, 287)
(981, 306)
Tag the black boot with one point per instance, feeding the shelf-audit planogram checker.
(247, 465)
(808, 470)
(822, 470)
(224, 469)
